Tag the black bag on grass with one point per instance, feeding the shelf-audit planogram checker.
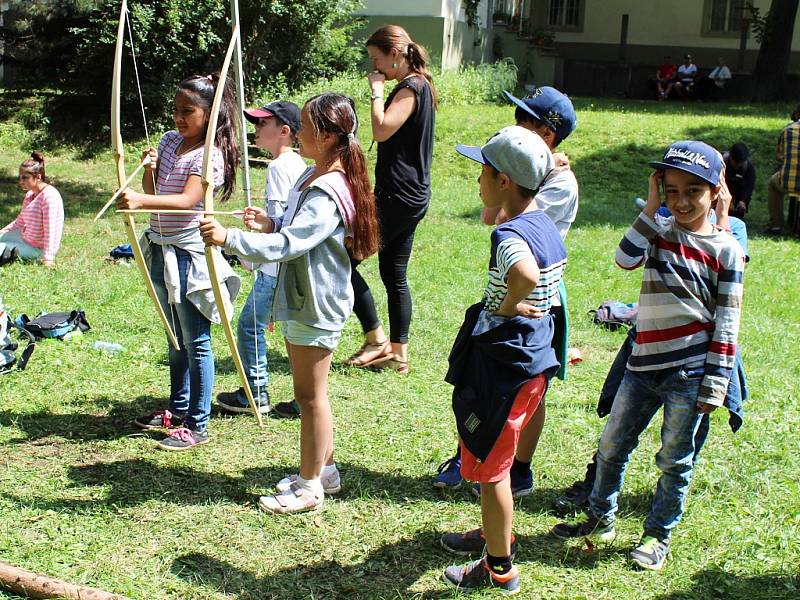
(54, 325)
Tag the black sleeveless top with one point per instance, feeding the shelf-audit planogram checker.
(403, 168)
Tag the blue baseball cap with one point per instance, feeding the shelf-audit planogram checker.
(697, 158)
(515, 151)
(551, 107)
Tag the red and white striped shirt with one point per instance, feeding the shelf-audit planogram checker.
(173, 173)
(690, 301)
(41, 221)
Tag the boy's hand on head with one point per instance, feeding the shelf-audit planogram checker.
(212, 232)
(655, 181)
(723, 199)
(706, 409)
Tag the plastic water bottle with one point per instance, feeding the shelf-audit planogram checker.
(110, 347)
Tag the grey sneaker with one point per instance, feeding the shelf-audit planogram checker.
(651, 553)
(331, 484)
(476, 575)
(591, 528)
(236, 402)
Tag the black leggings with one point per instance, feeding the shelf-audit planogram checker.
(398, 222)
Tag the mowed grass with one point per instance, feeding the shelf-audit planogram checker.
(86, 497)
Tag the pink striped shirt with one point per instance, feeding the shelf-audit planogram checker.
(173, 173)
(41, 221)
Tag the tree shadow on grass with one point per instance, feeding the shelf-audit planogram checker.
(134, 481)
(277, 363)
(111, 425)
(388, 572)
(80, 199)
(714, 583)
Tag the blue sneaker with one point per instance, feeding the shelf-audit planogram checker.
(449, 474)
(236, 402)
(521, 486)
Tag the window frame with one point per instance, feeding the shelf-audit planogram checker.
(705, 26)
(577, 28)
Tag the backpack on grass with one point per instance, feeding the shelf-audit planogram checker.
(54, 325)
(613, 314)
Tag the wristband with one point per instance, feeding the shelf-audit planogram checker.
(376, 97)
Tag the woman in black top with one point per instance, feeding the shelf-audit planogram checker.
(403, 128)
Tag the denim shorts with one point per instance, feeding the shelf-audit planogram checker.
(300, 334)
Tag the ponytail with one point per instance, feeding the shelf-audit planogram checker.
(202, 89)
(34, 165)
(418, 59)
(336, 114)
(391, 37)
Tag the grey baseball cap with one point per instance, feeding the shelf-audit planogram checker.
(515, 151)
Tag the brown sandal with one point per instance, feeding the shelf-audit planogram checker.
(390, 362)
(369, 353)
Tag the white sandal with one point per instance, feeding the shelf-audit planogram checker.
(294, 500)
(332, 484)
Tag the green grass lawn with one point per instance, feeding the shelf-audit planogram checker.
(87, 497)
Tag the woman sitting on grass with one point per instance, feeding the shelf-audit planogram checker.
(36, 233)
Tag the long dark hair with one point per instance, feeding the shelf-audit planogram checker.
(394, 36)
(34, 165)
(202, 89)
(336, 114)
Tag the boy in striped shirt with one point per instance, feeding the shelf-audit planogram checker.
(684, 353)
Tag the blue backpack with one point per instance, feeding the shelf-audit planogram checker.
(53, 325)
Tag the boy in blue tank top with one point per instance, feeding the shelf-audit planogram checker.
(502, 358)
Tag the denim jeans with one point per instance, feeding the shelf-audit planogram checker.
(640, 395)
(191, 369)
(251, 331)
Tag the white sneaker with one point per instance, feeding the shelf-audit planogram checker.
(331, 484)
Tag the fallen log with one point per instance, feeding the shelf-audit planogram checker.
(41, 587)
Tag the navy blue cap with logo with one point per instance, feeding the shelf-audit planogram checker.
(551, 107)
(697, 158)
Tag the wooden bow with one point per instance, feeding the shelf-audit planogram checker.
(119, 157)
(211, 253)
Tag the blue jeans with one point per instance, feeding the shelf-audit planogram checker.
(13, 239)
(251, 331)
(191, 369)
(640, 396)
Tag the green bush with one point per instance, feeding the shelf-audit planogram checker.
(474, 84)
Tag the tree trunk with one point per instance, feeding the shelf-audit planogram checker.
(40, 587)
(769, 76)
